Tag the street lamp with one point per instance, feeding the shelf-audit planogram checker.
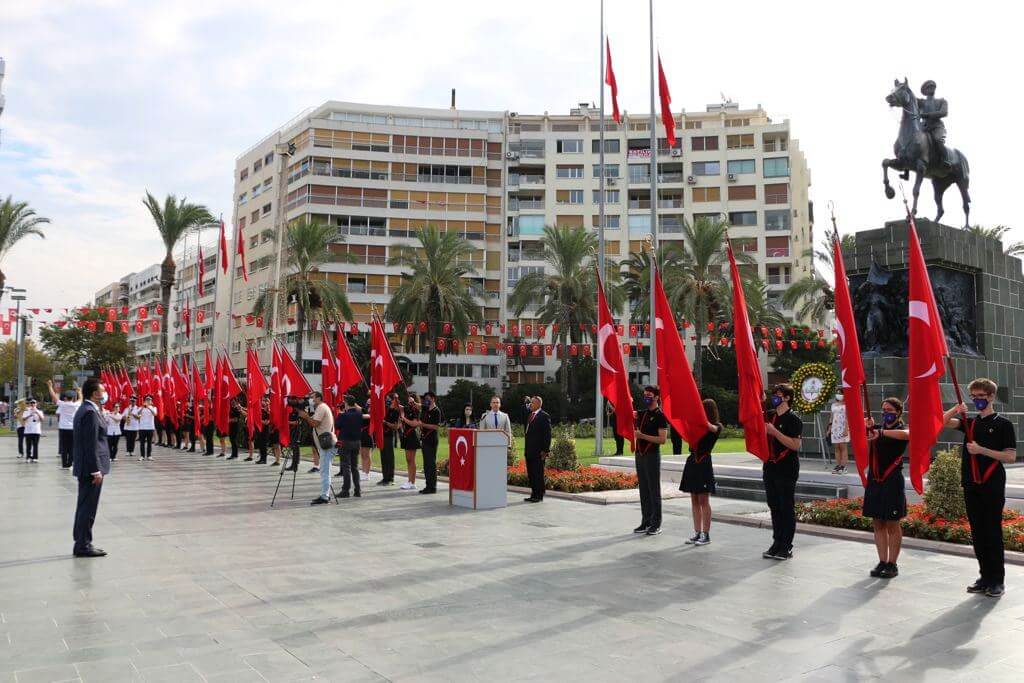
(18, 295)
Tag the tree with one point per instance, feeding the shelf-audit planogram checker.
(812, 297)
(70, 343)
(637, 278)
(307, 245)
(565, 294)
(17, 221)
(465, 391)
(38, 367)
(434, 288)
(175, 219)
(760, 310)
(998, 232)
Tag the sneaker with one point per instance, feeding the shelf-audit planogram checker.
(995, 591)
(319, 501)
(312, 469)
(221, 454)
(782, 555)
(642, 529)
(703, 540)
(835, 470)
(841, 470)
(654, 531)
(889, 571)
(877, 571)
(769, 554)
(363, 476)
(978, 586)
(692, 540)
(407, 486)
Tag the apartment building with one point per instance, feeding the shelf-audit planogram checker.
(143, 291)
(205, 314)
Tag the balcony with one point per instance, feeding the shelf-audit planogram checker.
(777, 252)
(670, 203)
(777, 227)
(776, 145)
(670, 177)
(639, 177)
(639, 203)
(776, 198)
(778, 280)
(525, 204)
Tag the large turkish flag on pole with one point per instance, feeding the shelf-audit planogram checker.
(851, 367)
(461, 459)
(347, 374)
(926, 366)
(278, 399)
(384, 375)
(747, 369)
(328, 366)
(614, 381)
(680, 398)
(257, 387)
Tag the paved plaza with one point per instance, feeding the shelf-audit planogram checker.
(205, 582)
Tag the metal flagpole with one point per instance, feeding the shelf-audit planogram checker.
(231, 293)
(599, 400)
(653, 364)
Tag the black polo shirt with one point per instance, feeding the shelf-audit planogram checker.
(650, 422)
(431, 416)
(995, 432)
(782, 460)
(391, 417)
(349, 424)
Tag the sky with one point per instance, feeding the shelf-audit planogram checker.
(109, 98)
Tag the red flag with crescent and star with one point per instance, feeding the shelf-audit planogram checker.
(851, 367)
(614, 381)
(347, 374)
(461, 459)
(278, 400)
(609, 79)
(223, 248)
(926, 365)
(666, 106)
(384, 375)
(751, 387)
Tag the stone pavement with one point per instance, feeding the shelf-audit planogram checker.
(205, 582)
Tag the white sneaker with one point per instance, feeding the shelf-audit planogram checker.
(363, 476)
(407, 486)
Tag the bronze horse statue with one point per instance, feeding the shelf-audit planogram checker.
(915, 152)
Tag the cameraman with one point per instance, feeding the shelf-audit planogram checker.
(322, 422)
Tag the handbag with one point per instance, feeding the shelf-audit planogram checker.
(325, 441)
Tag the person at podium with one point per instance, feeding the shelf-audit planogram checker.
(495, 419)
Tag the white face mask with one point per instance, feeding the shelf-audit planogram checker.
(103, 398)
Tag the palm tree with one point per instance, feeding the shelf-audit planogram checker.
(16, 221)
(760, 310)
(566, 293)
(307, 245)
(812, 296)
(998, 233)
(637, 280)
(175, 219)
(434, 287)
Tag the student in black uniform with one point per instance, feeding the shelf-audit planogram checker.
(234, 427)
(651, 432)
(781, 471)
(609, 421)
(430, 419)
(189, 425)
(699, 477)
(387, 449)
(989, 441)
(677, 440)
(365, 446)
(295, 431)
(410, 438)
(885, 499)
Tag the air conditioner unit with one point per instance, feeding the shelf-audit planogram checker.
(513, 114)
(511, 362)
(511, 155)
(691, 180)
(732, 177)
(677, 152)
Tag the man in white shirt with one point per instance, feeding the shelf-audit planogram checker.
(66, 409)
(32, 421)
(322, 422)
(495, 419)
(131, 426)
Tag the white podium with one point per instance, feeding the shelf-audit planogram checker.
(490, 471)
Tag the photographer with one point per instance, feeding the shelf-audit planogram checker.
(324, 441)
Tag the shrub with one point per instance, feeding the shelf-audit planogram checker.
(944, 496)
(728, 403)
(563, 449)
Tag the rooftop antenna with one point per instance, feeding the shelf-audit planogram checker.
(453, 99)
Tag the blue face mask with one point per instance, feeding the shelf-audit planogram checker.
(889, 418)
(776, 401)
(648, 400)
(981, 403)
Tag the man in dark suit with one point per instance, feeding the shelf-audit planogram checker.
(91, 463)
(538, 443)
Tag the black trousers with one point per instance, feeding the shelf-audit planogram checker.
(677, 441)
(21, 441)
(985, 515)
(780, 488)
(145, 443)
(85, 511)
(430, 465)
(387, 458)
(233, 438)
(618, 441)
(112, 441)
(648, 474)
(535, 473)
(129, 440)
(177, 437)
(65, 445)
(208, 429)
(349, 465)
(31, 446)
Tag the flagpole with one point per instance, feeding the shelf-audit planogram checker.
(231, 295)
(598, 399)
(653, 364)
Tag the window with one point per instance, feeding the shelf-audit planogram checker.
(244, 174)
(777, 193)
(707, 194)
(639, 173)
(610, 170)
(610, 196)
(311, 367)
(266, 209)
(742, 218)
(255, 216)
(776, 247)
(777, 167)
(705, 143)
(243, 198)
(707, 168)
(693, 125)
(569, 196)
(256, 190)
(639, 223)
(610, 146)
(744, 141)
(710, 217)
(746, 245)
(610, 222)
(563, 171)
(742, 192)
(777, 220)
(267, 159)
(356, 285)
(736, 123)
(266, 184)
(254, 241)
(740, 166)
(257, 165)
(531, 225)
(570, 146)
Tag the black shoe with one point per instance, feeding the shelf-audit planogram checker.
(889, 571)
(383, 483)
(292, 468)
(877, 571)
(232, 457)
(769, 554)
(90, 552)
(995, 591)
(320, 501)
(642, 529)
(782, 555)
(978, 586)
(357, 494)
(313, 469)
(654, 531)
(428, 491)
(249, 459)
(343, 494)
(532, 500)
(192, 450)
(261, 461)
(221, 455)
(276, 464)
(340, 474)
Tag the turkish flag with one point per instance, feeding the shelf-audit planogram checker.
(198, 400)
(293, 382)
(680, 399)
(748, 371)
(170, 391)
(328, 369)
(223, 248)
(209, 379)
(240, 250)
(384, 375)
(609, 79)
(461, 459)
(278, 400)
(926, 364)
(202, 272)
(347, 374)
(666, 107)
(614, 381)
(851, 367)
(257, 387)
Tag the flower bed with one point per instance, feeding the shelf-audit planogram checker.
(919, 523)
(569, 481)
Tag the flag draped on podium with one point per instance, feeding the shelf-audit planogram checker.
(461, 459)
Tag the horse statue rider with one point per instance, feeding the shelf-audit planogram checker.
(921, 147)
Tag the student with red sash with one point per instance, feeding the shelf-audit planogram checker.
(651, 431)
(781, 471)
(699, 476)
(989, 441)
(885, 499)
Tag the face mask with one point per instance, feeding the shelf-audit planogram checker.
(889, 418)
(648, 400)
(469, 412)
(981, 403)
(426, 403)
(103, 398)
(776, 401)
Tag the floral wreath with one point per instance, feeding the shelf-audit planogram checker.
(826, 374)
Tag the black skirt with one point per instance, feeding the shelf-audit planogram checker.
(698, 477)
(410, 440)
(366, 439)
(886, 500)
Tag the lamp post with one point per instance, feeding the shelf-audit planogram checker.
(18, 295)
